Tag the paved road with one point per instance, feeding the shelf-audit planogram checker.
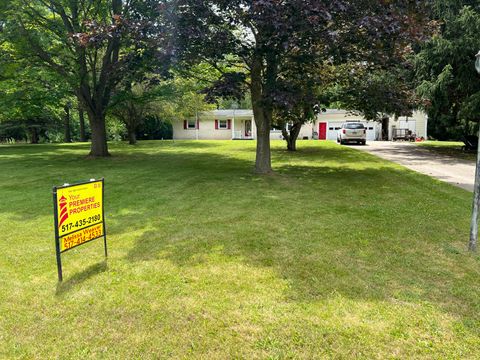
(458, 172)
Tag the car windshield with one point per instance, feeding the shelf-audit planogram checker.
(354, 126)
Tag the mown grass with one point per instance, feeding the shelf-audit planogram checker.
(449, 148)
(339, 254)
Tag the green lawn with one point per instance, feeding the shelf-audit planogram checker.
(450, 148)
(339, 254)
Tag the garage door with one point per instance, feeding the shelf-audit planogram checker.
(371, 131)
(333, 128)
(371, 127)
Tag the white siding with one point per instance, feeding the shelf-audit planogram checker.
(207, 131)
(333, 118)
(305, 132)
(421, 123)
(417, 123)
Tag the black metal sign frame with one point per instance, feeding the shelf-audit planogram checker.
(57, 236)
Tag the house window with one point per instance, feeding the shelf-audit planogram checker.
(222, 124)
(191, 124)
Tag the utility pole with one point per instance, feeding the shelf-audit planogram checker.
(472, 245)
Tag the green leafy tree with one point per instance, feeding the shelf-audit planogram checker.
(300, 95)
(182, 96)
(155, 128)
(133, 103)
(448, 82)
(376, 93)
(157, 98)
(32, 99)
(92, 45)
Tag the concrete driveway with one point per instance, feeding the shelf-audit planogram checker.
(454, 171)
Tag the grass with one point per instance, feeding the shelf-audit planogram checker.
(449, 148)
(339, 254)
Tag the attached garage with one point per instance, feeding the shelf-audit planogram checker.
(328, 130)
(329, 122)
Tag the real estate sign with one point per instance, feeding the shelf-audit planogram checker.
(79, 216)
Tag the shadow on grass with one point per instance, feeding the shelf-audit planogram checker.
(78, 278)
(36, 170)
(368, 233)
(83, 149)
(332, 220)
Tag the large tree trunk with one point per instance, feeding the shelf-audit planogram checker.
(263, 120)
(67, 137)
(132, 136)
(33, 135)
(263, 163)
(81, 117)
(96, 119)
(292, 136)
(99, 147)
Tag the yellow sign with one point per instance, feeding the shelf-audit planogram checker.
(79, 217)
(79, 210)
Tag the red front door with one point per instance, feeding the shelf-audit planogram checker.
(322, 131)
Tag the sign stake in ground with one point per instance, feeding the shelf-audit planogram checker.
(79, 216)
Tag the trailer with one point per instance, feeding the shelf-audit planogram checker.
(403, 134)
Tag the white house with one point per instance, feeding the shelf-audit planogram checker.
(240, 125)
(217, 125)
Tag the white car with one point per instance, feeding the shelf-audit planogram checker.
(352, 132)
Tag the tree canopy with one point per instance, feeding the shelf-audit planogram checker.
(256, 38)
(289, 57)
(92, 45)
(448, 82)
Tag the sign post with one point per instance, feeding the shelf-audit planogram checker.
(79, 217)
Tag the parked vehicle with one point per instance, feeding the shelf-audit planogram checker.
(352, 132)
(403, 134)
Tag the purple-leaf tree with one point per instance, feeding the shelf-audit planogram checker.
(255, 38)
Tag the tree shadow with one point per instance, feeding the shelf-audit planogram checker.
(36, 170)
(325, 230)
(331, 220)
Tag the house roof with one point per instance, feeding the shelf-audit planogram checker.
(229, 113)
(249, 112)
(334, 111)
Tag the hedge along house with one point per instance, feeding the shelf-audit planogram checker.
(240, 125)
